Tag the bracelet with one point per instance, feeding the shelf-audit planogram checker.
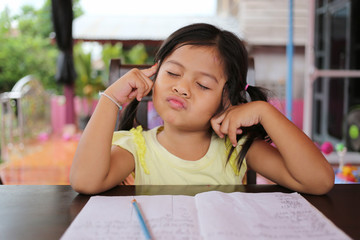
(111, 99)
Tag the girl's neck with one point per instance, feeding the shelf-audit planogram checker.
(187, 145)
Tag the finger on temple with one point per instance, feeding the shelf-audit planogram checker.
(149, 83)
(149, 72)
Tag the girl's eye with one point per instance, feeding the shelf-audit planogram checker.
(173, 74)
(203, 87)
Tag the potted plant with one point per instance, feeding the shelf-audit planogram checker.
(90, 81)
(87, 86)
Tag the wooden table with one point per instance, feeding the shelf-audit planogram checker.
(46, 211)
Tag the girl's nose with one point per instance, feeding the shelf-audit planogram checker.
(181, 90)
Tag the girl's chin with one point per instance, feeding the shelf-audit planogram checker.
(172, 120)
(184, 126)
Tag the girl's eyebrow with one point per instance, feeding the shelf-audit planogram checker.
(175, 62)
(202, 73)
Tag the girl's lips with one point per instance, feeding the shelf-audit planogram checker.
(176, 102)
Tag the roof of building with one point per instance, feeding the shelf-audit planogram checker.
(87, 27)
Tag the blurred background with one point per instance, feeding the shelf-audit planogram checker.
(306, 52)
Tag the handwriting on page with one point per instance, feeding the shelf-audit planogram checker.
(262, 216)
(168, 217)
(210, 215)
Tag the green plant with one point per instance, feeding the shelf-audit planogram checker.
(137, 54)
(88, 82)
(27, 49)
(111, 51)
(23, 54)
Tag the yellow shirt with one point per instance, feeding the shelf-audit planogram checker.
(154, 165)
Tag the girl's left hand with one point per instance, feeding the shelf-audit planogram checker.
(234, 118)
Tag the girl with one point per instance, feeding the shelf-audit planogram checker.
(211, 133)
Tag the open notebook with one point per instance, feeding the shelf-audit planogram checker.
(209, 215)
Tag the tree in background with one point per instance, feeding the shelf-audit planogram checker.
(27, 48)
(136, 55)
(90, 81)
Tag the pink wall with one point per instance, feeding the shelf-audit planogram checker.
(58, 111)
(297, 116)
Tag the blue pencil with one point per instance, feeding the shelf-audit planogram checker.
(141, 219)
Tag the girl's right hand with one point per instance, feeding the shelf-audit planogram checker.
(135, 83)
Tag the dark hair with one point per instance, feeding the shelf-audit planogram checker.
(234, 57)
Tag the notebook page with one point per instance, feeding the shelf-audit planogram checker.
(262, 216)
(167, 217)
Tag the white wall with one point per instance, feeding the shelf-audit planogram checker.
(271, 70)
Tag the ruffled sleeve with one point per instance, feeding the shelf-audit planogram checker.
(134, 142)
(141, 147)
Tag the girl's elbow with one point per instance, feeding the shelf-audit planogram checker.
(83, 185)
(325, 184)
(325, 179)
(78, 185)
(329, 182)
(84, 188)
(78, 188)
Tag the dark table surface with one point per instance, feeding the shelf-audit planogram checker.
(46, 211)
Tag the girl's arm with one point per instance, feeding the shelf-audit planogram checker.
(97, 165)
(295, 163)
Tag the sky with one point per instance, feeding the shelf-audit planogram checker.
(130, 7)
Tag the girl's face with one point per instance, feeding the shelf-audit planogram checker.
(189, 86)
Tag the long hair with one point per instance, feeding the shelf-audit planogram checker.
(234, 57)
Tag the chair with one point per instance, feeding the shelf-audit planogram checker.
(117, 70)
(251, 174)
(24, 114)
